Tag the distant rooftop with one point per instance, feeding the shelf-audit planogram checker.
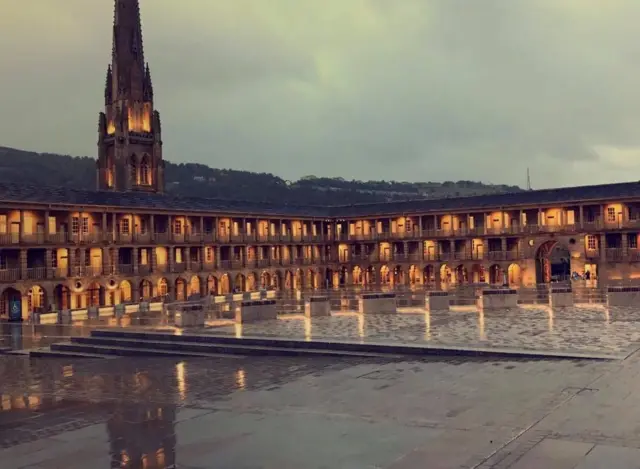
(16, 192)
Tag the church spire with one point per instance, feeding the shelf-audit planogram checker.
(127, 59)
(129, 139)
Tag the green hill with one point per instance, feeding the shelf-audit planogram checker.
(198, 180)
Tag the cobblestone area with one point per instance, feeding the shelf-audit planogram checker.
(614, 331)
(275, 412)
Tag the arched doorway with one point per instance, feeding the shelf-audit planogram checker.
(496, 275)
(194, 285)
(62, 297)
(265, 279)
(514, 275)
(252, 281)
(240, 283)
(357, 275)
(163, 288)
(370, 275)
(181, 289)
(11, 304)
(299, 280)
(212, 285)
(462, 276)
(94, 291)
(125, 291)
(398, 275)
(36, 298)
(225, 284)
(477, 273)
(446, 276)
(429, 275)
(312, 279)
(146, 289)
(385, 275)
(553, 263)
(414, 275)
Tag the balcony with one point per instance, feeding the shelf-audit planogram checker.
(144, 269)
(496, 255)
(592, 253)
(125, 269)
(9, 275)
(633, 255)
(60, 272)
(614, 254)
(36, 273)
(143, 237)
(179, 267)
(94, 271)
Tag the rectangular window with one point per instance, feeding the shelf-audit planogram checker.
(592, 243)
(124, 226)
(209, 254)
(143, 227)
(3, 262)
(611, 214)
(632, 240)
(87, 258)
(144, 257)
(177, 227)
(85, 225)
(75, 225)
(3, 224)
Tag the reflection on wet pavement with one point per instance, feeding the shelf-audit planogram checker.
(219, 413)
(607, 331)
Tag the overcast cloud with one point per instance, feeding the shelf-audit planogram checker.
(368, 89)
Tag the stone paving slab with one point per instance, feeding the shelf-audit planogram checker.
(613, 332)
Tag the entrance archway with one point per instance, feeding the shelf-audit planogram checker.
(553, 262)
(11, 304)
(514, 275)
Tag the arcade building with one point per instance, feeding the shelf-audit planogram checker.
(63, 248)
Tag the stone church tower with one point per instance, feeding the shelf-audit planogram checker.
(129, 136)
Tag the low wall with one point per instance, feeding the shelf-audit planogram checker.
(317, 306)
(561, 297)
(623, 296)
(189, 315)
(497, 298)
(377, 303)
(257, 310)
(436, 301)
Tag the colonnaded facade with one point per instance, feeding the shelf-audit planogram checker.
(63, 248)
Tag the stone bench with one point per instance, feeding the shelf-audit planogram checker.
(436, 301)
(377, 303)
(560, 297)
(623, 296)
(256, 310)
(317, 306)
(497, 298)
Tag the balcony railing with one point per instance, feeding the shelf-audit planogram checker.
(36, 273)
(614, 254)
(9, 275)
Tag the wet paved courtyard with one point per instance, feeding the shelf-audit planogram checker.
(319, 413)
(613, 332)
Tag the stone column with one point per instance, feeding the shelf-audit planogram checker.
(603, 248)
(170, 258)
(187, 258)
(152, 228)
(23, 263)
(48, 261)
(106, 261)
(135, 260)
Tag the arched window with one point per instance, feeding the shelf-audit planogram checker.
(109, 172)
(134, 172)
(145, 171)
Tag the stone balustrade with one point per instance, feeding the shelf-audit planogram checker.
(623, 296)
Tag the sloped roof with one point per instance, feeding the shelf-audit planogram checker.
(26, 193)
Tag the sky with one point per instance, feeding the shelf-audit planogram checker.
(417, 90)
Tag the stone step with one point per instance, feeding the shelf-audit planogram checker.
(48, 353)
(132, 349)
(212, 349)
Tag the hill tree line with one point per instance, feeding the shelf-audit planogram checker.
(198, 180)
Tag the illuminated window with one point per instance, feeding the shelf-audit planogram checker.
(177, 227)
(209, 254)
(75, 225)
(3, 224)
(134, 174)
(124, 226)
(592, 242)
(632, 239)
(611, 214)
(85, 225)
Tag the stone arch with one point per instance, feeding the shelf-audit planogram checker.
(240, 283)
(265, 279)
(398, 275)
(146, 289)
(343, 276)
(276, 280)
(212, 285)
(312, 279)
(163, 288)
(370, 275)
(95, 294)
(181, 289)
(514, 274)
(356, 275)
(496, 274)
(225, 284)
(385, 275)
(478, 274)
(145, 170)
(194, 286)
(126, 292)
(462, 275)
(328, 278)
(298, 279)
(446, 276)
(62, 297)
(414, 275)
(288, 280)
(11, 299)
(252, 281)
(36, 299)
(429, 274)
(133, 169)
(553, 260)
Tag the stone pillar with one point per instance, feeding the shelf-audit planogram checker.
(46, 226)
(603, 248)
(135, 260)
(255, 310)
(216, 259)
(187, 258)
(560, 297)
(23, 264)
(437, 301)
(623, 296)
(106, 261)
(171, 256)
(317, 306)
(48, 263)
(152, 228)
(497, 298)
